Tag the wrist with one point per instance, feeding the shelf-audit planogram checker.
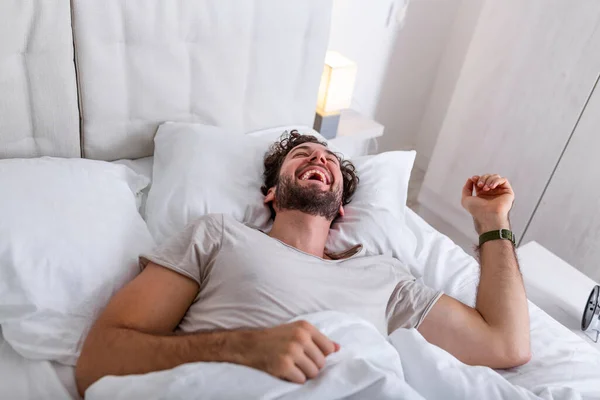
(239, 346)
(492, 222)
(223, 346)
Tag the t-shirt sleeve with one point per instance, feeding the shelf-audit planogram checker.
(190, 252)
(409, 304)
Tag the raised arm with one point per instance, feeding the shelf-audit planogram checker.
(135, 335)
(496, 332)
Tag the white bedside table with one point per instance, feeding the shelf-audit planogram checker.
(555, 286)
(356, 134)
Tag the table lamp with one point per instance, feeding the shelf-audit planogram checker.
(335, 93)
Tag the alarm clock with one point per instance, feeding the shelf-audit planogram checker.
(590, 322)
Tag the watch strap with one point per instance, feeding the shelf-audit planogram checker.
(504, 234)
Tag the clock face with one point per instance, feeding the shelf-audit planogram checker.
(591, 308)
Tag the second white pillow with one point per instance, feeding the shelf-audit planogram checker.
(71, 236)
(201, 169)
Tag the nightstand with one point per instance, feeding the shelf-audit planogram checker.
(356, 134)
(556, 287)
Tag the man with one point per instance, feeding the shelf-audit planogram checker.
(222, 292)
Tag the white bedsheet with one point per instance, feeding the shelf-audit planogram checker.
(560, 358)
(23, 379)
(368, 366)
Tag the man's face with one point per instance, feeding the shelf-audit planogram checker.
(310, 180)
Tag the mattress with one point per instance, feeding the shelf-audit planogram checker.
(560, 358)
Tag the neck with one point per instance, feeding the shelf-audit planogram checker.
(305, 232)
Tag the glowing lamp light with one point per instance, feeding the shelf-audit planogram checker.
(335, 92)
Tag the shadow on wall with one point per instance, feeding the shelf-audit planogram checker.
(412, 71)
(424, 66)
(365, 32)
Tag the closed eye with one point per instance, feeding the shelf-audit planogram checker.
(300, 153)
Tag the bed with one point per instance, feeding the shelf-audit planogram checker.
(560, 358)
(240, 65)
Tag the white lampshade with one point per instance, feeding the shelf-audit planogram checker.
(337, 84)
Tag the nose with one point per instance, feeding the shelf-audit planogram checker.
(319, 156)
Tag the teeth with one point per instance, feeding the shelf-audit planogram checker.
(307, 174)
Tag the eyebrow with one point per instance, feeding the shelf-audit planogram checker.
(305, 147)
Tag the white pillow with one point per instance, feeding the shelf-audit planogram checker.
(201, 169)
(71, 234)
(375, 216)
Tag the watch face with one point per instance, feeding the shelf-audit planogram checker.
(591, 308)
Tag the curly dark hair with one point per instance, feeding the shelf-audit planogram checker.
(279, 150)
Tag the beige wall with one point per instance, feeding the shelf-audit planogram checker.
(407, 68)
(364, 31)
(412, 71)
(528, 71)
(447, 75)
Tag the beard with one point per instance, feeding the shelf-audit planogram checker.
(309, 199)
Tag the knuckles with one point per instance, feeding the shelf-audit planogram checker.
(302, 324)
(284, 363)
(301, 336)
(293, 349)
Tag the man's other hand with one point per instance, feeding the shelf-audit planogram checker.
(489, 199)
(294, 352)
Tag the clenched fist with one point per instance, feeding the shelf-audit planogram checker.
(295, 351)
(489, 199)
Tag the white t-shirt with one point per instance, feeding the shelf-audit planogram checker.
(249, 280)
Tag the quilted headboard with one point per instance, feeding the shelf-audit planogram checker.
(243, 64)
(38, 91)
(98, 77)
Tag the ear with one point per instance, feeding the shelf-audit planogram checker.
(341, 210)
(270, 196)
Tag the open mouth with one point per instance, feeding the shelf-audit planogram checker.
(313, 174)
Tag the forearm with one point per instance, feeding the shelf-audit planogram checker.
(501, 298)
(123, 351)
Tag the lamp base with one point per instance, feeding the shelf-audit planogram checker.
(327, 125)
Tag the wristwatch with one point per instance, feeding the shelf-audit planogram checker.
(496, 235)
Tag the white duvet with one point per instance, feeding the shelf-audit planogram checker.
(368, 366)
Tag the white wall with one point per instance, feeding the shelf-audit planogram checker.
(447, 75)
(412, 70)
(528, 71)
(364, 31)
(406, 74)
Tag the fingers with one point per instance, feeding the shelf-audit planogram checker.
(467, 190)
(488, 182)
(307, 366)
(482, 183)
(326, 345)
(294, 374)
(499, 181)
(304, 352)
(315, 354)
